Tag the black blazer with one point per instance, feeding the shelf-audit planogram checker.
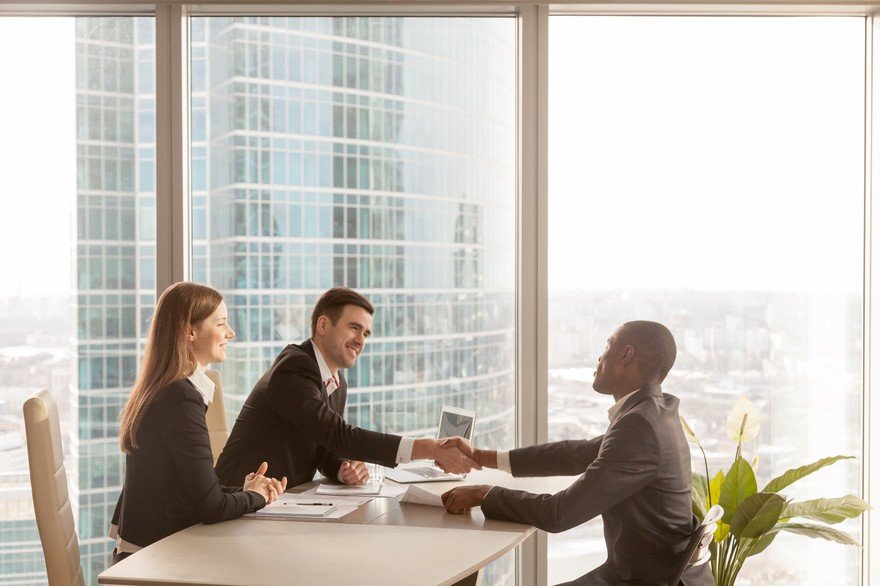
(637, 476)
(289, 421)
(170, 482)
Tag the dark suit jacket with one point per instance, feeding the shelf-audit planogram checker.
(170, 482)
(637, 476)
(289, 421)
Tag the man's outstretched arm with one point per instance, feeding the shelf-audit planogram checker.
(627, 463)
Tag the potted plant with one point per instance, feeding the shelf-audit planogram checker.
(752, 518)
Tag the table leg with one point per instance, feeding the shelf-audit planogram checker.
(474, 579)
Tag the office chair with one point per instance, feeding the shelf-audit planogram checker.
(218, 431)
(49, 489)
(697, 552)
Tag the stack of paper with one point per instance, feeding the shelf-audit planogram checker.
(419, 496)
(298, 506)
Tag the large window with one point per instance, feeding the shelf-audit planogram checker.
(707, 173)
(78, 238)
(373, 153)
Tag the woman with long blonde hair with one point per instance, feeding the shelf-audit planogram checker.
(170, 482)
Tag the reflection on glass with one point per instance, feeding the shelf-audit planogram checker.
(718, 191)
(78, 231)
(374, 153)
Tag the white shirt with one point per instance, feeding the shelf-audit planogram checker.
(206, 387)
(612, 412)
(504, 457)
(331, 383)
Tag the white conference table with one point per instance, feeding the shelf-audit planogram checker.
(384, 542)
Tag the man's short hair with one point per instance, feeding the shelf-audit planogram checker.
(334, 301)
(654, 346)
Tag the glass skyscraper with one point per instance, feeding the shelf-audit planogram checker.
(375, 153)
(115, 258)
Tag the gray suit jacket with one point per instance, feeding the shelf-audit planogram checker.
(637, 476)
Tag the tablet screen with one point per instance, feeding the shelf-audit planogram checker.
(452, 424)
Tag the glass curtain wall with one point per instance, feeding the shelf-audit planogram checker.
(78, 235)
(372, 153)
(707, 173)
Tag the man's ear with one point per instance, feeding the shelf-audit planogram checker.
(628, 354)
(321, 325)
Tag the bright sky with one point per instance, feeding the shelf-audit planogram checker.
(713, 153)
(37, 154)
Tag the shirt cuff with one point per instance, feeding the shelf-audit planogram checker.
(504, 461)
(404, 450)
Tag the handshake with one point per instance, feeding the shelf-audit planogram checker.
(454, 455)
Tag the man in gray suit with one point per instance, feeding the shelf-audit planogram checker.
(637, 475)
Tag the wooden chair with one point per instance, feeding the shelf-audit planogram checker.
(218, 431)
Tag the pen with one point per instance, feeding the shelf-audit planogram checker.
(310, 504)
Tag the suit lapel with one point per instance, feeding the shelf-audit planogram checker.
(337, 399)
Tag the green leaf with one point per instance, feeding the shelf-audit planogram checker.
(817, 531)
(715, 487)
(795, 474)
(700, 489)
(721, 531)
(761, 543)
(697, 504)
(739, 484)
(827, 510)
(756, 515)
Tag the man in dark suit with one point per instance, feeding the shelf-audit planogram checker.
(293, 417)
(637, 475)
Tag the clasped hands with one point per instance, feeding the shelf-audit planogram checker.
(269, 488)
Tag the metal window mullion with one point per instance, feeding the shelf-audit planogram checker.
(871, 322)
(172, 201)
(532, 256)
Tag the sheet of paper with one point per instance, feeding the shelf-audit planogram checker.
(392, 489)
(282, 508)
(279, 509)
(419, 496)
(312, 497)
(348, 490)
(337, 513)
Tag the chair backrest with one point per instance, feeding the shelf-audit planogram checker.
(697, 551)
(218, 431)
(49, 489)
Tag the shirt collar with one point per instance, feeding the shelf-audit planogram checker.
(615, 409)
(204, 385)
(326, 375)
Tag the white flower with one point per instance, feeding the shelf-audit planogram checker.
(743, 409)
